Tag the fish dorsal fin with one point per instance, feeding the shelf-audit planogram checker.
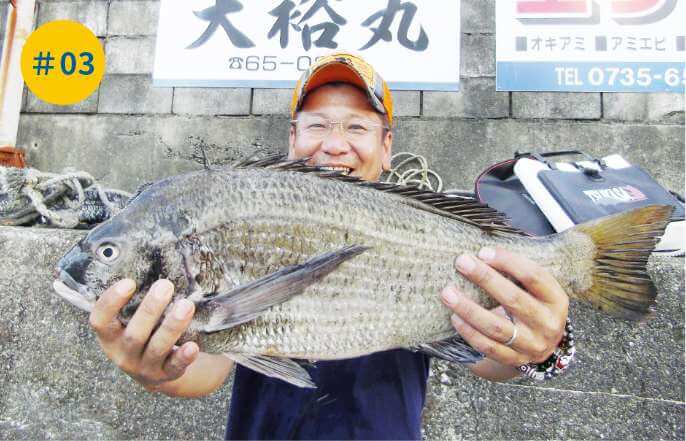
(463, 209)
(141, 188)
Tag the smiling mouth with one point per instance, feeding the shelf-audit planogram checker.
(343, 170)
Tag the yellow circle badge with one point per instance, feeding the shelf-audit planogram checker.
(62, 62)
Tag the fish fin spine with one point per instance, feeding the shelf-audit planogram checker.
(284, 369)
(620, 284)
(454, 349)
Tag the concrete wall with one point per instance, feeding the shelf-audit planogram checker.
(131, 132)
(628, 382)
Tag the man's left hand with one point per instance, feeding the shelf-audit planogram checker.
(538, 311)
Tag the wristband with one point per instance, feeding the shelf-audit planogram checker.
(557, 363)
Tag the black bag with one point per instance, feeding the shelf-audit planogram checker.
(589, 196)
(583, 196)
(498, 187)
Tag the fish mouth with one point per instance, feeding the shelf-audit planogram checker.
(73, 292)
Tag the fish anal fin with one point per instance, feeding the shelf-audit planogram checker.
(250, 300)
(282, 368)
(453, 349)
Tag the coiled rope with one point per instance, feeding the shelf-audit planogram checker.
(35, 190)
(411, 169)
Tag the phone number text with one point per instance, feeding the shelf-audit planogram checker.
(270, 63)
(620, 76)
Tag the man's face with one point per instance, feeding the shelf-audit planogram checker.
(366, 156)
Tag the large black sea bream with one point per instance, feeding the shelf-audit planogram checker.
(286, 261)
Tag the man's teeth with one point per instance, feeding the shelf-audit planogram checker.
(344, 170)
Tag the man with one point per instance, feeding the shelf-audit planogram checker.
(342, 117)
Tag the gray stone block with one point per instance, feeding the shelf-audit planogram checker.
(130, 55)
(133, 94)
(271, 101)
(478, 16)
(24, 92)
(477, 56)
(666, 107)
(461, 149)
(658, 107)
(406, 103)
(125, 151)
(121, 151)
(470, 408)
(556, 105)
(133, 17)
(211, 101)
(3, 23)
(625, 106)
(35, 104)
(55, 381)
(477, 98)
(93, 13)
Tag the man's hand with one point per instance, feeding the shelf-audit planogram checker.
(150, 358)
(539, 312)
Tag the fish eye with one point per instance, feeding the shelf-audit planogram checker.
(107, 252)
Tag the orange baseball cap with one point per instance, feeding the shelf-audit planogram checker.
(346, 68)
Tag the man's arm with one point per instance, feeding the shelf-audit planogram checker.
(151, 358)
(539, 311)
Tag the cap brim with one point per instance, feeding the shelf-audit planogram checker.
(335, 72)
(341, 72)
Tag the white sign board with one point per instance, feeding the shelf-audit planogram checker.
(269, 43)
(591, 45)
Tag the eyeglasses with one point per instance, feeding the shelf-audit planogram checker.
(318, 127)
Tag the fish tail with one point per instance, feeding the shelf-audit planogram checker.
(620, 284)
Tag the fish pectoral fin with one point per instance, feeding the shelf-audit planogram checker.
(248, 301)
(453, 349)
(282, 368)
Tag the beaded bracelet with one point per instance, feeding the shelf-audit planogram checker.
(557, 363)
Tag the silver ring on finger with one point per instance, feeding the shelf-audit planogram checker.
(514, 330)
(514, 336)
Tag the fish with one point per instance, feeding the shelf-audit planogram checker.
(288, 262)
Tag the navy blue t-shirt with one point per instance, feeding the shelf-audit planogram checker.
(378, 396)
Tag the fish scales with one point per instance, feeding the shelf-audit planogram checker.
(369, 308)
(293, 264)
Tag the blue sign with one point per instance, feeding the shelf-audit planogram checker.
(591, 77)
(591, 45)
